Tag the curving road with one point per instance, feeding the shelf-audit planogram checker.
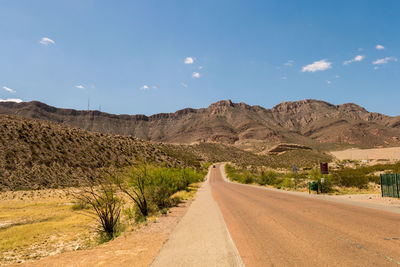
(272, 228)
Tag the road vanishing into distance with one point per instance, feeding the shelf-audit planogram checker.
(271, 228)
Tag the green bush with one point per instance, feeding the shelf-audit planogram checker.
(151, 187)
(350, 179)
(267, 178)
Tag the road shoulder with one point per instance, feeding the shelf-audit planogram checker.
(201, 238)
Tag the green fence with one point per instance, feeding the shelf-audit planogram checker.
(390, 185)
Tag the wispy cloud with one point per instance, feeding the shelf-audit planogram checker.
(189, 60)
(195, 75)
(355, 59)
(47, 41)
(379, 47)
(284, 78)
(8, 89)
(144, 87)
(320, 65)
(288, 63)
(184, 85)
(328, 82)
(384, 60)
(16, 100)
(80, 86)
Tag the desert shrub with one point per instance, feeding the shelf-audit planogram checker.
(247, 178)
(315, 175)
(286, 183)
(267, 178)
(350, 179)
(105, 205)
(150, 187)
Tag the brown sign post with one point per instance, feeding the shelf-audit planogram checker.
(324, 168)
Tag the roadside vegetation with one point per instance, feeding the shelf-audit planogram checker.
(38, 223)
(341, 180)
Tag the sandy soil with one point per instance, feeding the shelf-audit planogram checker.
(390, 153)
(138, 248)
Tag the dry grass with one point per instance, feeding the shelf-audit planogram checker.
(35, 224)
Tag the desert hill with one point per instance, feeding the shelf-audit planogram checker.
(38, 154)
(305, 122)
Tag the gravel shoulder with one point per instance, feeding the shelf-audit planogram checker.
(201, 238)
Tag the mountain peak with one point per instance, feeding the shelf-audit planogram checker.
(223, 103)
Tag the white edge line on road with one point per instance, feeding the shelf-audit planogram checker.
(235, 250)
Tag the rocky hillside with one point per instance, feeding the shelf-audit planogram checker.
(38, 154)
(306, 122)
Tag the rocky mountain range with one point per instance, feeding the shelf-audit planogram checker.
(309, 122)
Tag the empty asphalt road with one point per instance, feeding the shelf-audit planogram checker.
(272, 228)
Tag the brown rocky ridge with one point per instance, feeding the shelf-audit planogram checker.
(306, 122)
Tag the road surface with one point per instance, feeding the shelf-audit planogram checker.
(272, 228)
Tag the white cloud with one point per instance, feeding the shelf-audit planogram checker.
(328, 81)
(80, 86)
(8, 89)
(379, 47)
(189, 60)
(184, 85)
(384, 60)
(144, 87)
(195, 75)
(289, 63)
(317, 66)
(154, 87)
(46, 41)
(337, 76)
(201, 67)
(357, 58)
(16, 100)
(284, 78)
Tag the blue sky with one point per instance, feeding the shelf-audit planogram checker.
(160, 56)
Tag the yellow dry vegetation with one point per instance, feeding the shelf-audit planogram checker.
(35, 224)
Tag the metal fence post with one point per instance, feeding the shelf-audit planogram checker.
(397, 185)
(381, 185)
